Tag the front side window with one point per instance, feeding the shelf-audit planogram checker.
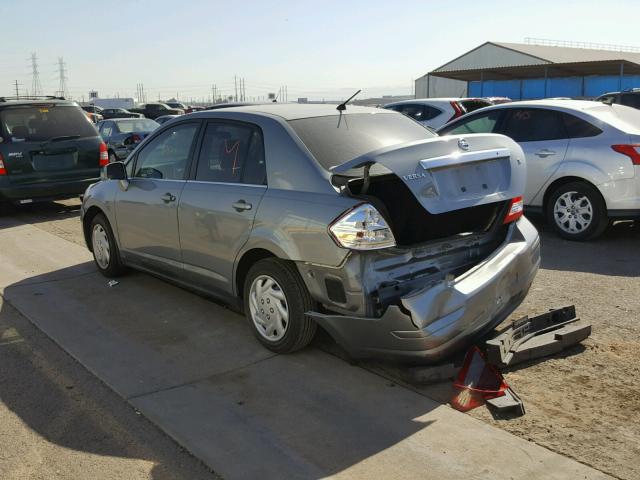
(480, 123)
(232, 153)
(167, 156)
(534, 125)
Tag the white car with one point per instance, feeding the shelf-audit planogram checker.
(435, 112)
(583, 159)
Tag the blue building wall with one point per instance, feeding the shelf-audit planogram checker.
(532, 88)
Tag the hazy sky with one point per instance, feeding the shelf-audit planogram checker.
(317, 48)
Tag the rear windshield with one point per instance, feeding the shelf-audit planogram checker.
(336, 139)
(142, 125)
(474, 104)
(44, 122)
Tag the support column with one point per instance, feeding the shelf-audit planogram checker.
(621, 75)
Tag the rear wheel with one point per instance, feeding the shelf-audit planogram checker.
(105, 250)
(112, 157)
(577, 211)
(275, 302)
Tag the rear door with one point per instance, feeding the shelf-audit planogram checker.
(543, 137)
(219, 202)
(49, 143)
(147, 211)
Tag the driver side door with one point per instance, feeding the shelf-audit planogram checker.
(147, 211)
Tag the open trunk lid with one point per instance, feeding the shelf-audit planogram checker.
(447, 173)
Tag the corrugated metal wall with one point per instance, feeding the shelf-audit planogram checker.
(433, 87)
(533, 88)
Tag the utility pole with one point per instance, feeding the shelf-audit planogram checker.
(62, 77)
(235, 86)
(17, 89)
(36, 88)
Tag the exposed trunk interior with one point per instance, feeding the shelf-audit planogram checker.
(410, 222)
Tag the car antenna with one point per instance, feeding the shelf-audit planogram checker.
(343, 105)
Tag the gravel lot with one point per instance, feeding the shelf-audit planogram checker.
(583, 403)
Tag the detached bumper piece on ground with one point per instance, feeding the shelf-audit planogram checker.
(479, 381)
(539, 336)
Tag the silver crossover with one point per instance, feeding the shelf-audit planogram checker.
(395, 241)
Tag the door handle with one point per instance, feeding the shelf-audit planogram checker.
(241, 206)
(168, 197)
(545, 153)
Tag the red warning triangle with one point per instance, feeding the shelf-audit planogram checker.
(476, 382)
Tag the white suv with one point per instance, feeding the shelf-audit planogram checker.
(583, 159)
(435, 112)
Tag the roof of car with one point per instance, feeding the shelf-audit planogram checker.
(294, 111)
(6, 101)
(433, 101)
(556, 103)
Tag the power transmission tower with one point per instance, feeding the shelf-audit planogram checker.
(36, 87)
(62, 77)
(235, 86)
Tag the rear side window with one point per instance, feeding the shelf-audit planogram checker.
(232, 153)
(418, 112)
(336, 139)
(486, 122)
(630, 100)
(35, 123)
(578, 128)
(474, 104)
(534, 125)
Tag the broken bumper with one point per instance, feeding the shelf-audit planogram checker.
(439, 320)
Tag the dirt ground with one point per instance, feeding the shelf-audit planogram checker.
(584, 402)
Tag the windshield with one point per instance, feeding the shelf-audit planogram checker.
(135, 125)
(334, 140)
(43, 122)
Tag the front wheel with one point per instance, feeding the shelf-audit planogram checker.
(275, 302)
(577, 211)
(105, 250)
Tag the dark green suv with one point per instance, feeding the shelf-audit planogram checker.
(49, 150)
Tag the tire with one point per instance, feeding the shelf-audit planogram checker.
(112, 156)
(577, 211)
(287, 287)
(110, 265)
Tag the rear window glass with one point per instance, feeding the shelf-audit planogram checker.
(142, 125)
(475, 104)
(336, 139)
(35, 123)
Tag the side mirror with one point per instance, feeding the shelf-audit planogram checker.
(116, 171)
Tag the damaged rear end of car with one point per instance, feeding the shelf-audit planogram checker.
(438, 249)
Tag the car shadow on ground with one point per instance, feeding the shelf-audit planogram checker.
(349, 415)
(66, 406)
(614, 253)
(39, 212)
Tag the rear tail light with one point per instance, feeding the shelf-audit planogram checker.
(135, 138)
(630, 151)
(516, 209)
(104, 155)
(457, 110)
(362, 228)
(3, 170)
